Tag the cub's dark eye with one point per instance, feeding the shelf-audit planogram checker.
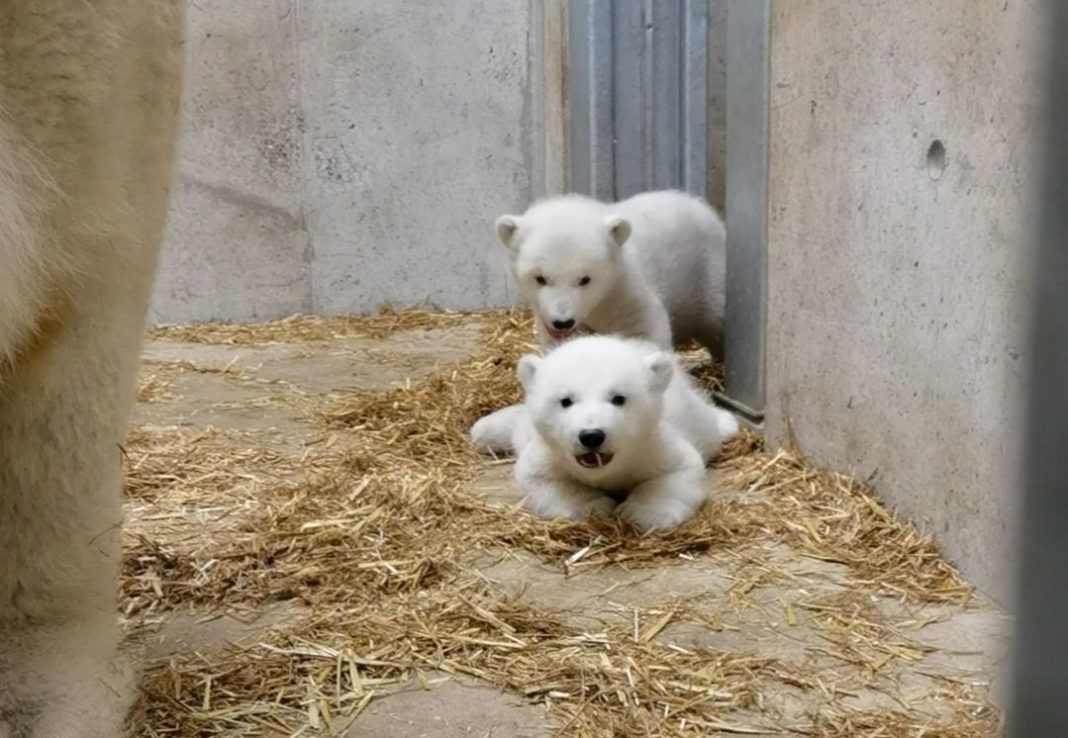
(566, 402)
(540, 280)
(619, 400)
(584, 281)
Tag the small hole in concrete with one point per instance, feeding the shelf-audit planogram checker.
(936, 158)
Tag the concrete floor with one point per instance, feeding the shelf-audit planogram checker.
(757, 600)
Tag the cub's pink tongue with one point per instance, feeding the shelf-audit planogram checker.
(593, 460)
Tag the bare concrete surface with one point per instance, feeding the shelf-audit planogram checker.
(447, 707)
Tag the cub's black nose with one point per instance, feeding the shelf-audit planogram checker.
(563, 325)
(591, 438)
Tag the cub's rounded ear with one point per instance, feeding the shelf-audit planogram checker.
(507, 226)
(527, 369)
(618, 228)
(661, 366)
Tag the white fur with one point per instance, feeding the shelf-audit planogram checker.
(493, 433)
(660, 434)
(88, 112)
(655, 264)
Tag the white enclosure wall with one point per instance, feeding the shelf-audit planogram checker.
(900, 157)
(339, 154)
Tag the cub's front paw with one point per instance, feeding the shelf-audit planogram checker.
(648, 514)
(549, 503)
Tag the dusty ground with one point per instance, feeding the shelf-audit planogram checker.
(269, 591)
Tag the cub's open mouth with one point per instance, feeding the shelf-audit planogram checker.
(594, 459)
(558, 334)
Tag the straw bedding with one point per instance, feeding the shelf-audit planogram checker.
(368, 525)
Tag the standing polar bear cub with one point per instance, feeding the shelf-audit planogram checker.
(649, 267)
(606, 415)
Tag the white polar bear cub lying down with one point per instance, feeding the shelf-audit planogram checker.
(649, 267)
(606, 416)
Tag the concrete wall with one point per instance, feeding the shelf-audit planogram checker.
(898, 253)
(341, 153)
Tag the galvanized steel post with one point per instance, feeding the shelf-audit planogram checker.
(1039, 703)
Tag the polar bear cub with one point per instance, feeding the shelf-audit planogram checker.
(605, 416)
(650, 267)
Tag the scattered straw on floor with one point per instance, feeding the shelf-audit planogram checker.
(151, 387)
(369, 524)
(310, 329)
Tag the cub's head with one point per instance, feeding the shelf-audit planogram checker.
(596, 399)
(564, 261)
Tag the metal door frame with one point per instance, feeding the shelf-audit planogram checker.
(1038, 701)
(748, 75)
(638, 89)
(637, 96)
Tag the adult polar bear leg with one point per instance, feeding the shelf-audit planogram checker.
(74, 684)
(88, 115)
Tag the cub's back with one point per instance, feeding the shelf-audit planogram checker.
(678, 243)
